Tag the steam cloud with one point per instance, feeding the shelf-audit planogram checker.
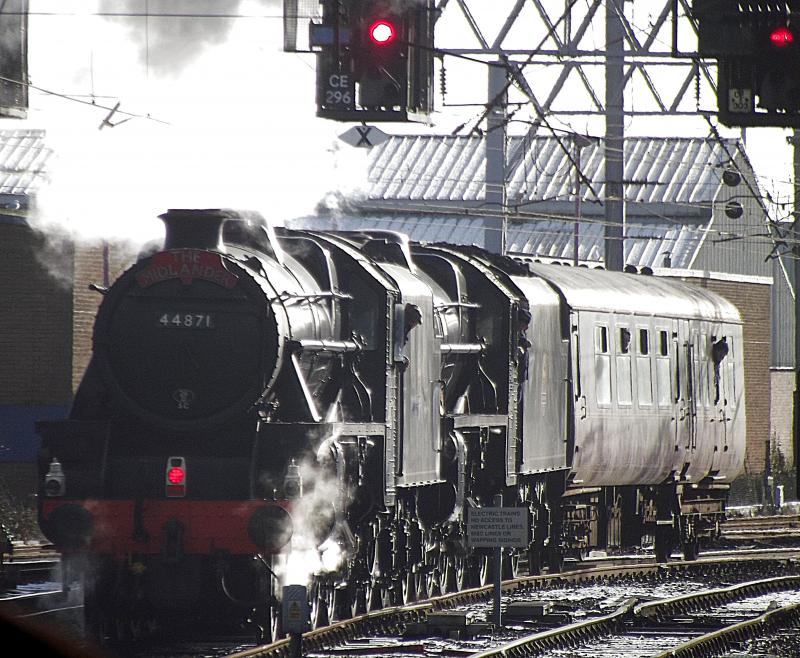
(212, 114)
(186, 29)
(310, 517)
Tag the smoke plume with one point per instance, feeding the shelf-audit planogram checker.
(210, 112)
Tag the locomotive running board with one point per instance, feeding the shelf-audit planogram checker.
(359, 429)
(480, 420)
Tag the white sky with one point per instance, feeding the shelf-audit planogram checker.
(236, 123)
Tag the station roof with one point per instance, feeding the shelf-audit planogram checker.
(680, 172)
(23, 159)
(432, 188)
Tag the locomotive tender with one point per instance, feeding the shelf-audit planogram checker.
(257, 394)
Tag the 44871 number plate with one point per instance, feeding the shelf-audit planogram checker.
(183, 320)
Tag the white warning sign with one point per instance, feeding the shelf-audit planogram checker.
(489, 527)
(295, 609)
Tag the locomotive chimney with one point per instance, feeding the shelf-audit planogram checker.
(194, 229)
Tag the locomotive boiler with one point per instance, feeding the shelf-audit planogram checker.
(266, 406)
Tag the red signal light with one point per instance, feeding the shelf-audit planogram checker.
(382, 32)
(175, 478)
(781, 37)
(176, 475)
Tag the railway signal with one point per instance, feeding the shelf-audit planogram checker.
(757, 45)
(777, 77)
(381, 60)
(375, 60)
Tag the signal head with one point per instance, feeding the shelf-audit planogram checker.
(382, 32)
(781, 37)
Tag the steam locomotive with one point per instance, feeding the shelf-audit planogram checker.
(268, 406)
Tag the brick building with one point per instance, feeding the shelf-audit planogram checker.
(783, 352)
(45, 329)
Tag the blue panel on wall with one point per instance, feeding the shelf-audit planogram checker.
(18, 439)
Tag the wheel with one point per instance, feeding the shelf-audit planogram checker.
(460, 567)
(275, 627)
(663, 543)
(342, 608)
(691, 549)
(484, 569)
(96, 618)
(408, 588)
(270, 623)
(358, 600)
(321, 603)
(267, 622)
(535, 560)
(446, 573)
(397, 591)
(429, 582)
(379, 597)
(555, 559)
(510, 565)
(99, 605)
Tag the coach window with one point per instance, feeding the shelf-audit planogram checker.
(697, 379)
(644, 373)
(700, 370)
(602, 364)
(719, 350)
(662, 369)
(728, 364)
(708, 371)
(624, 392)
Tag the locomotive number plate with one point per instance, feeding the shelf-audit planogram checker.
(173, 320)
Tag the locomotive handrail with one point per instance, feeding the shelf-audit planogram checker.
(290, 296)
(338, 346)
(462, 348)
(458, 305)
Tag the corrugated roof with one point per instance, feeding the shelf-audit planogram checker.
(676, 171)
(432, 188)
(23, 159)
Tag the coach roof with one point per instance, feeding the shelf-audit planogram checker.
(636, 294)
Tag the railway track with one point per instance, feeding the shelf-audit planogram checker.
(455, 624)
(634, 629)
(28, 564)
(777, 529)
(463, 614)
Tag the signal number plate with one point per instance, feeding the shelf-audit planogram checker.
(172, 320)
(740, 100)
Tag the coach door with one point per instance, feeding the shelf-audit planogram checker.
(685, 398)
(721, 396)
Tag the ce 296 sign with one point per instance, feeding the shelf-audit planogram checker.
(339, 91)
